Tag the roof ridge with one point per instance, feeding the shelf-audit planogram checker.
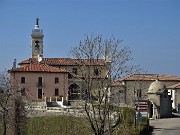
(150, 77)
(38, 67)
(61, 61)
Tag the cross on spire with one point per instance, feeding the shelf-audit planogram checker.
(37, 21)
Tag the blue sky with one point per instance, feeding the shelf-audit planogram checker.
(151, 28)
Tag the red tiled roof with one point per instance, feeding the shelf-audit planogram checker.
(117, 83)
(64, 61)
(175, 86)
(150, 77)
(146, 77)
(38, 68)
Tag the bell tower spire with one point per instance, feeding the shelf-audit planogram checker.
(37, 23)
(37, 41)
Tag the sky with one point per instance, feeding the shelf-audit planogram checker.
(150, 28)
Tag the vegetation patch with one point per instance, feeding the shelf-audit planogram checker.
(63, 125)
(70, 125)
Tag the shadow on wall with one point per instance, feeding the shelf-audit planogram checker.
(179, 108)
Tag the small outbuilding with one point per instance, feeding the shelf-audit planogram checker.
(160, 104)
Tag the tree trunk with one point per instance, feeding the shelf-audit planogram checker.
(4, 124)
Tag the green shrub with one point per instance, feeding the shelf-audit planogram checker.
(127, 126)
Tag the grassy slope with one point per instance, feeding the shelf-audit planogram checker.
(69, 125)
(58, 125)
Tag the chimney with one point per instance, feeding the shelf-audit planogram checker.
(14, 64)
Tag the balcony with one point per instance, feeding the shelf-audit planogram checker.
(37, 33)
(38, 84)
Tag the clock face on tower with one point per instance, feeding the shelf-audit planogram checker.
(36, 46)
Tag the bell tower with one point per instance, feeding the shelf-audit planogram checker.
(37, 41)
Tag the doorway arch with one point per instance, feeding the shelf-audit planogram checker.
(74, 91)
(153, 110)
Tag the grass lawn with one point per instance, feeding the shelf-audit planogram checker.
(70, 125)
(58, 125)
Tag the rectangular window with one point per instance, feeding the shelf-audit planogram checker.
(74, 71)
(121, 91)
(138, 93)
(23, 92)
(56, 92)
(97, 72)
(39, 81)
(39, 93)
(56, 80)
(23, 80)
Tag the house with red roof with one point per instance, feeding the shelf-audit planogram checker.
(135, 87)
(76, 72)
(40, 81)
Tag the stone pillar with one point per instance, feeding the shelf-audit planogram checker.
(50, 99)
(67, 98)
(62, 99)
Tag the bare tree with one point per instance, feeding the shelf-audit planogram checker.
(12, 106)
(4, 99)
(100, 62)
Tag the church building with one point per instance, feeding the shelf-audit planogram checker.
(56, 77)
